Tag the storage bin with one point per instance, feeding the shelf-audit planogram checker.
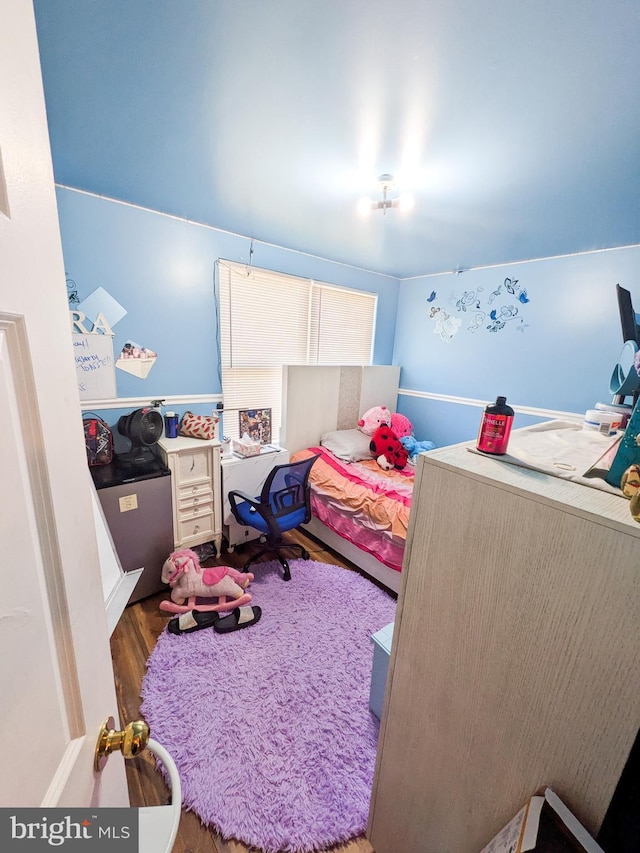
(381, 650)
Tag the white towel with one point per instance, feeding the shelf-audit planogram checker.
(563, 449)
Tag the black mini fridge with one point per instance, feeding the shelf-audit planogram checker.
(136, 502)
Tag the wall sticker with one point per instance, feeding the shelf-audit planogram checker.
(477, 313)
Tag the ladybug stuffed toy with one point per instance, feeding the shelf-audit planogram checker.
(388, 449)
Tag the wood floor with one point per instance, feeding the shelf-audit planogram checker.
(131, 644)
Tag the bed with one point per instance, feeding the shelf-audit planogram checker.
(359, 510)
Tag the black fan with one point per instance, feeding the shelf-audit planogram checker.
(143, 428)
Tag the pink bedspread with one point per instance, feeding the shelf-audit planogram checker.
(362, 503)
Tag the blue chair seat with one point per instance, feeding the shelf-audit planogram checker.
(250, 517)
(283, 504)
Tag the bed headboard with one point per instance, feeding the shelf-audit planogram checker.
(317, 399)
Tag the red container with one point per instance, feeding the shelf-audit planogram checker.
(495, 428)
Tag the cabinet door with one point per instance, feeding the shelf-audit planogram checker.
(194, 466)
(514, 663)
(140, 521)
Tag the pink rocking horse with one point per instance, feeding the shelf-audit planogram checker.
(190, 582)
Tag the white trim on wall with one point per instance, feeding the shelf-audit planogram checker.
(138, 402)
(203, 399)
(551, 414)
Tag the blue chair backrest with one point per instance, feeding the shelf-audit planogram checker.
(286, 488)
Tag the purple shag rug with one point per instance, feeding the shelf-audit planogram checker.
(270, 726)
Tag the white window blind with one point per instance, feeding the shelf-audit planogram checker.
(268, 319)
(342, 324)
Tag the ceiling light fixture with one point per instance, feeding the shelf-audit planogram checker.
(386, 182)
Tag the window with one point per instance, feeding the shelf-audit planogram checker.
(268, 319)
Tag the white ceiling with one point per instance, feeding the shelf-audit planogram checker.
(514, 123)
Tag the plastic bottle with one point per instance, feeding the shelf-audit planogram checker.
(495, 428)
(171, 425)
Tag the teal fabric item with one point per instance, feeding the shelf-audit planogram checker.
(628, 451)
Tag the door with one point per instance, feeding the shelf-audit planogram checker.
(56, 679)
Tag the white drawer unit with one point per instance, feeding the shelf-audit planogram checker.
(195, 478)
(245, 475)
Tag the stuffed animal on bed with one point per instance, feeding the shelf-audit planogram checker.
(186, 577)
(374, 418)
(413, 446)
(387, 448)
(401, 425)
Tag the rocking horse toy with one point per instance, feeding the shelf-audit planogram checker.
(190, 582)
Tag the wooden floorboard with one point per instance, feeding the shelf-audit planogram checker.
(132, 642)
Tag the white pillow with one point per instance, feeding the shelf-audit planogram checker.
(350, 445)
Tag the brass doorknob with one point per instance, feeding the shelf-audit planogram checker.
(131, 741)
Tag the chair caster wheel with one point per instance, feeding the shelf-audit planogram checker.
(286, 576)
(305, 555)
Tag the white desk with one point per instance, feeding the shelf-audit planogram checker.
(245, 475)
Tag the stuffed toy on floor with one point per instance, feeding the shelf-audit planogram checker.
(190, 581)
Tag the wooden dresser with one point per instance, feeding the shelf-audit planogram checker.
(515, 660)
(195, 483)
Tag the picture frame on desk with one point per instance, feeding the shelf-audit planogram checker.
(256, 423)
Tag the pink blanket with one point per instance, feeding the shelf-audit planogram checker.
(362, 503)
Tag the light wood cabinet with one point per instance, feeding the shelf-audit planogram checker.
(515, 659)
(195, 478)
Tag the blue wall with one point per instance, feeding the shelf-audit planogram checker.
(161, 270)
(553, 344)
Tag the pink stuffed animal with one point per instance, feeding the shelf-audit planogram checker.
(374, 418)
(187, 579)
(401, 425)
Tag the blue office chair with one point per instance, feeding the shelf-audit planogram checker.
(283, 504)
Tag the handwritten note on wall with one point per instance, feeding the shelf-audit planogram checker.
(95, 366)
